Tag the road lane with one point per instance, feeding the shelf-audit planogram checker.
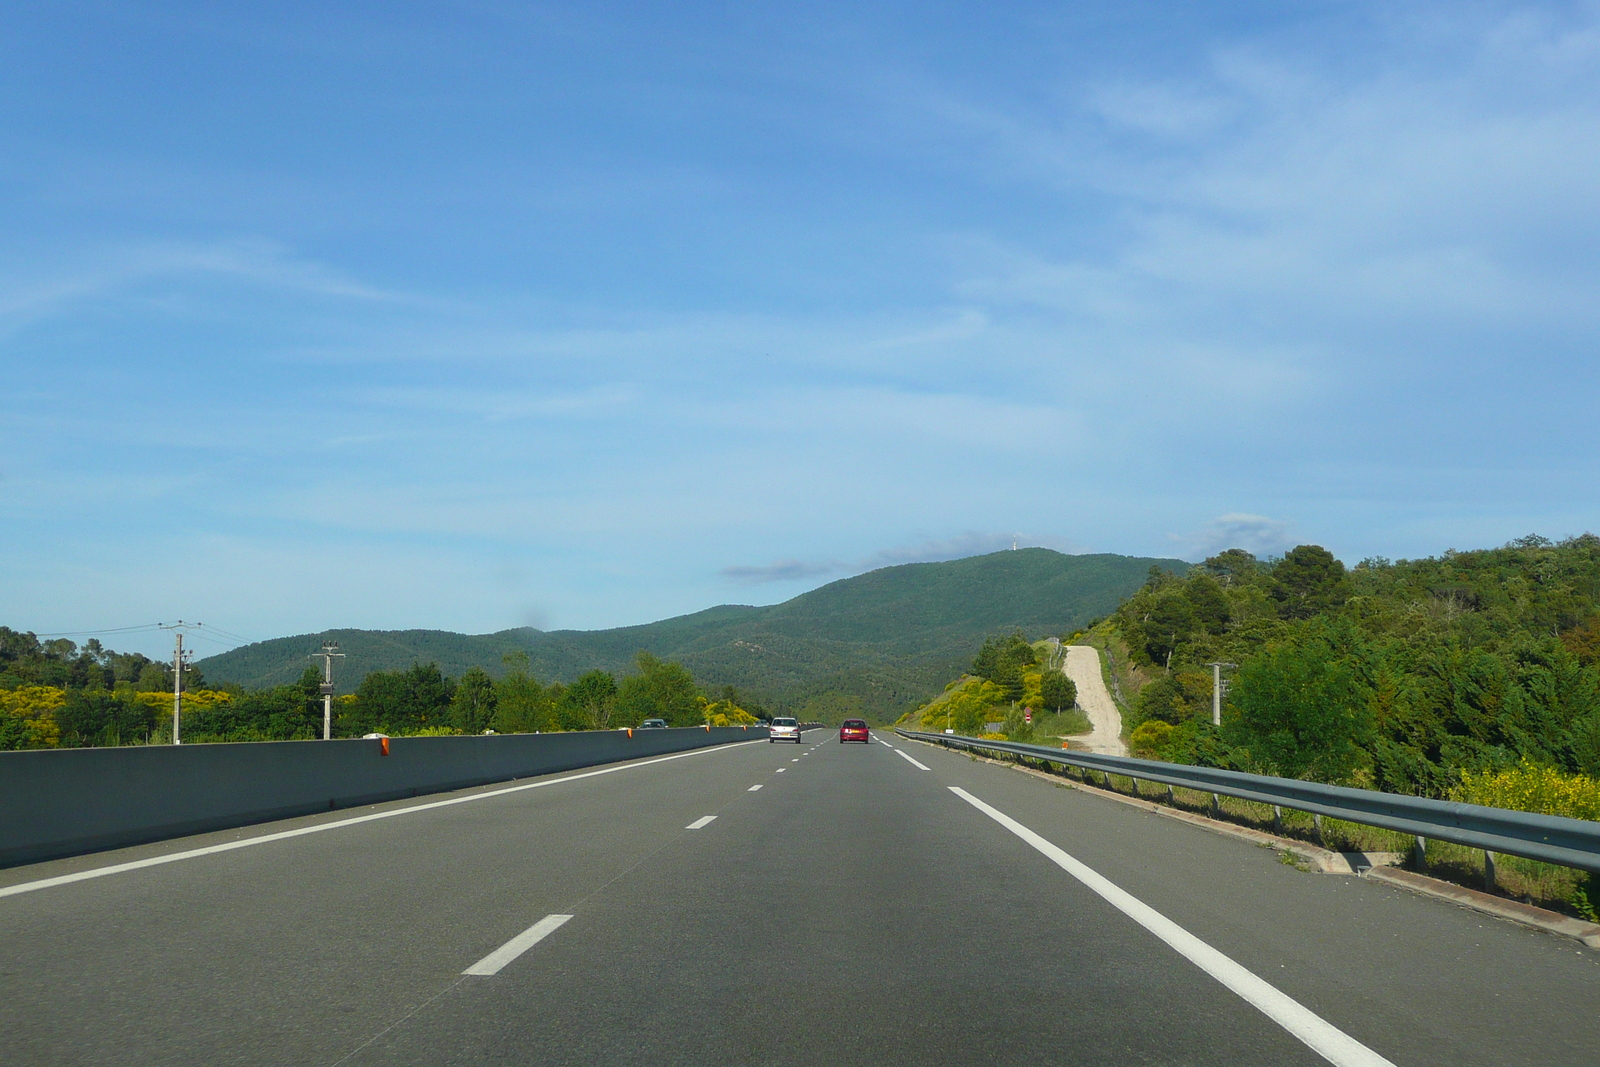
(857, 891)
(1420, 981)
(862, 898)
(297, 950)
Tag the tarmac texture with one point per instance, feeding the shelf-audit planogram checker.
(854, 909)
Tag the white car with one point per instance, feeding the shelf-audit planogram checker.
(783, 729)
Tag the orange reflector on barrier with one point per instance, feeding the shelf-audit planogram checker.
(383, 743)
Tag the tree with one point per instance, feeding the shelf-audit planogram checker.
(1001, 660)
(661, 690)
(522, 705)
(1233, 566)
(1173, 698)
(1057, 692)
(1168, 620)
(1208, 602)
(587, 703)
(472, 706)
(91, 717)
(1300, 709)
(154, 678)
(1308, 580)
(399, 702)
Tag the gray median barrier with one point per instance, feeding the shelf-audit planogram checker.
(64, 802)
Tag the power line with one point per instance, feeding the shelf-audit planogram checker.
(200, 629)
(96, 633)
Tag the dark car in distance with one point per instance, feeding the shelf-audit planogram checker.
(653, 724)
(854, 730)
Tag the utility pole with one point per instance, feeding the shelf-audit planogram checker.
(330, 652)
(1218, 687)
(180, 663)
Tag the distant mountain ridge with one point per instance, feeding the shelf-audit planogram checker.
(871, 644)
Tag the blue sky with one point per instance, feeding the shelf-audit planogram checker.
(477, 315)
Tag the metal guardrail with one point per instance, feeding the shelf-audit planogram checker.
(1550, 838)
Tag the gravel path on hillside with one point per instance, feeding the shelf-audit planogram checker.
(1083, 667)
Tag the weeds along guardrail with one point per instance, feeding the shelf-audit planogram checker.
(1549, 838)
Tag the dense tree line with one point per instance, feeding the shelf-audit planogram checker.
(54, 694)
(1396, 675)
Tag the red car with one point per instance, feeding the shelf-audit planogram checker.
(854, 730)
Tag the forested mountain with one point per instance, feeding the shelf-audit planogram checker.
(873, 644)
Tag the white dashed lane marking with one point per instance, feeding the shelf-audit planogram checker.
(509, 951)
(908, 759)
(1321, 1036)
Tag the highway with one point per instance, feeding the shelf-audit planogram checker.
(820, 904)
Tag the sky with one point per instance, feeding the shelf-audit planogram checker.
(485, 314)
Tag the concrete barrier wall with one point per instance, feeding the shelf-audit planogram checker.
(65, 802)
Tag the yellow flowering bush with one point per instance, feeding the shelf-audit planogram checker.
(1531, 787)
(726, 713)
(965, 705)
(30, 712)
(199, 700)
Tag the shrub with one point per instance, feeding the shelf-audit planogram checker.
(1149, 738)
(1531, 787)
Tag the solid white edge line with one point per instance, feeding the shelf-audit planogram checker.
(752, 789)
(509, 951)
(704, 820)
(1321, 1036)
(283, 835)
(906, 756)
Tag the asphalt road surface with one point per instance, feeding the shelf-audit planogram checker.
(842, 905)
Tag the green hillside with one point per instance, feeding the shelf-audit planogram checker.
(875, 643)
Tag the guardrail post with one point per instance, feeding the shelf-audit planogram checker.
(1422, 853)
(1170, 798)
(1216, 806)
(1316, 827)
(1109, 787)
(1488, 870)
(1277, 819)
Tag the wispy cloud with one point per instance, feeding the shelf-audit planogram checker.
(1256, 534)
(789, 570)
(118, 271)
(972, 543)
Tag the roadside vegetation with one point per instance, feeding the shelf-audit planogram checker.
(56, 695)
(1009, 679)
(1474, 676)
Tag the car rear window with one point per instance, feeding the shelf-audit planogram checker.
(783, 722)
(855, 724)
